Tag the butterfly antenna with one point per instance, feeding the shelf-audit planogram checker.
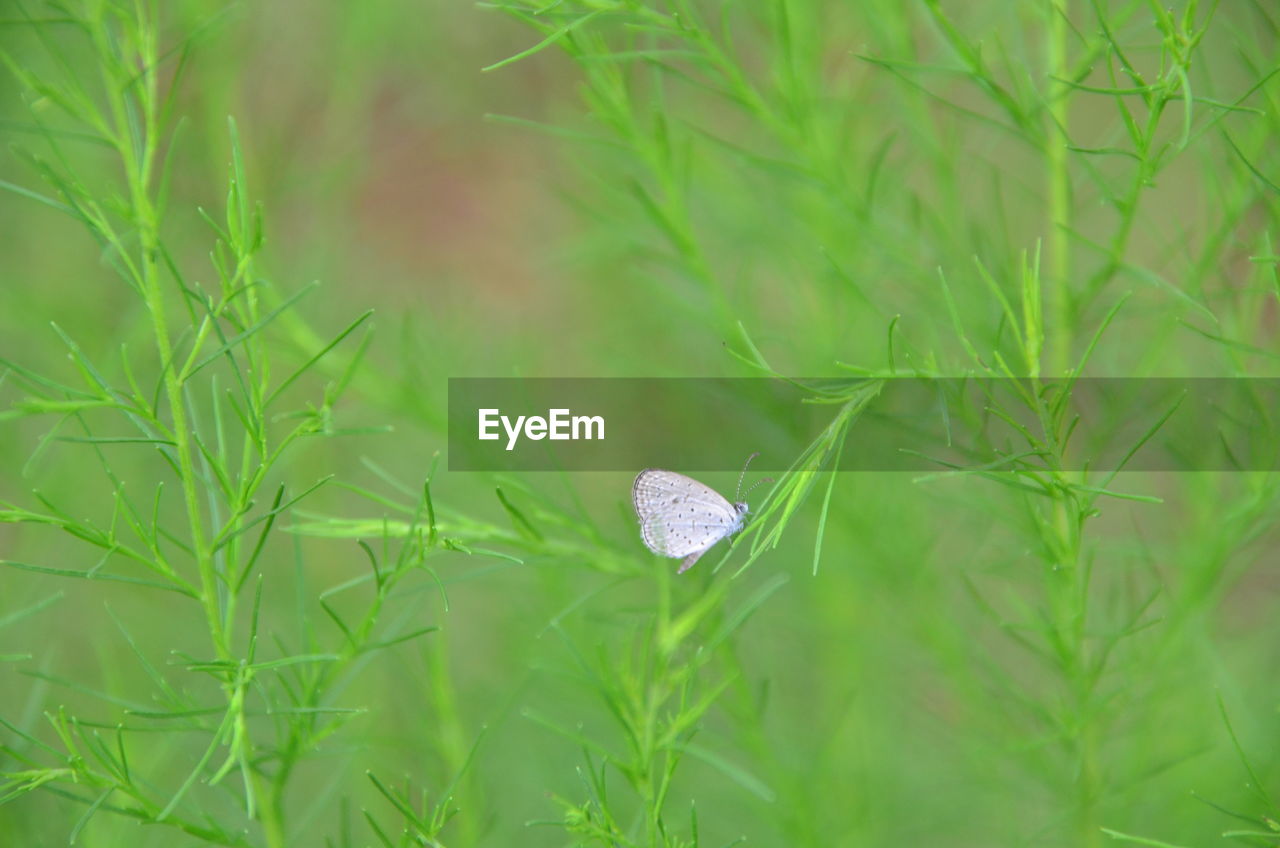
(738, 492)
(756, 484)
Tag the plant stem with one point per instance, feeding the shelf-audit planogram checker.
(139, 162)
(1055, 140)
(1072, 589)
(1069, 593)
(453, 735)
(138, 152)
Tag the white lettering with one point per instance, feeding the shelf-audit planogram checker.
(587, 421)
(513, 433)
(560, 425)
(486, 421)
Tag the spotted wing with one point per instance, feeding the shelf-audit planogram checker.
(678, 515)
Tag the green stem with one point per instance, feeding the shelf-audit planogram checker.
(1056, 137)
(1073, 592)
(139, 168)
(271, 811)
(1070, 591)
(139, 158)
(1143, 173)
(453, 735)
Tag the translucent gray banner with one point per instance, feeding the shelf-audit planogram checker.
(901, 424)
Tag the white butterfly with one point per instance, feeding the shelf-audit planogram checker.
(680, 517)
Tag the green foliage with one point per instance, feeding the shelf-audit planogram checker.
(210, 404)
(243, 604)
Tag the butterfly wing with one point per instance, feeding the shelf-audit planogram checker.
(680, 517)
(687, 562)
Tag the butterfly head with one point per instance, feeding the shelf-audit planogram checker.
(739, 517)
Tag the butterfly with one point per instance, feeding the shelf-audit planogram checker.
(680, 517)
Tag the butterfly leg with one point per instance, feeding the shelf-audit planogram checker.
(687, 562)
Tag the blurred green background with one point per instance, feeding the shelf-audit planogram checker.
(682, 189)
